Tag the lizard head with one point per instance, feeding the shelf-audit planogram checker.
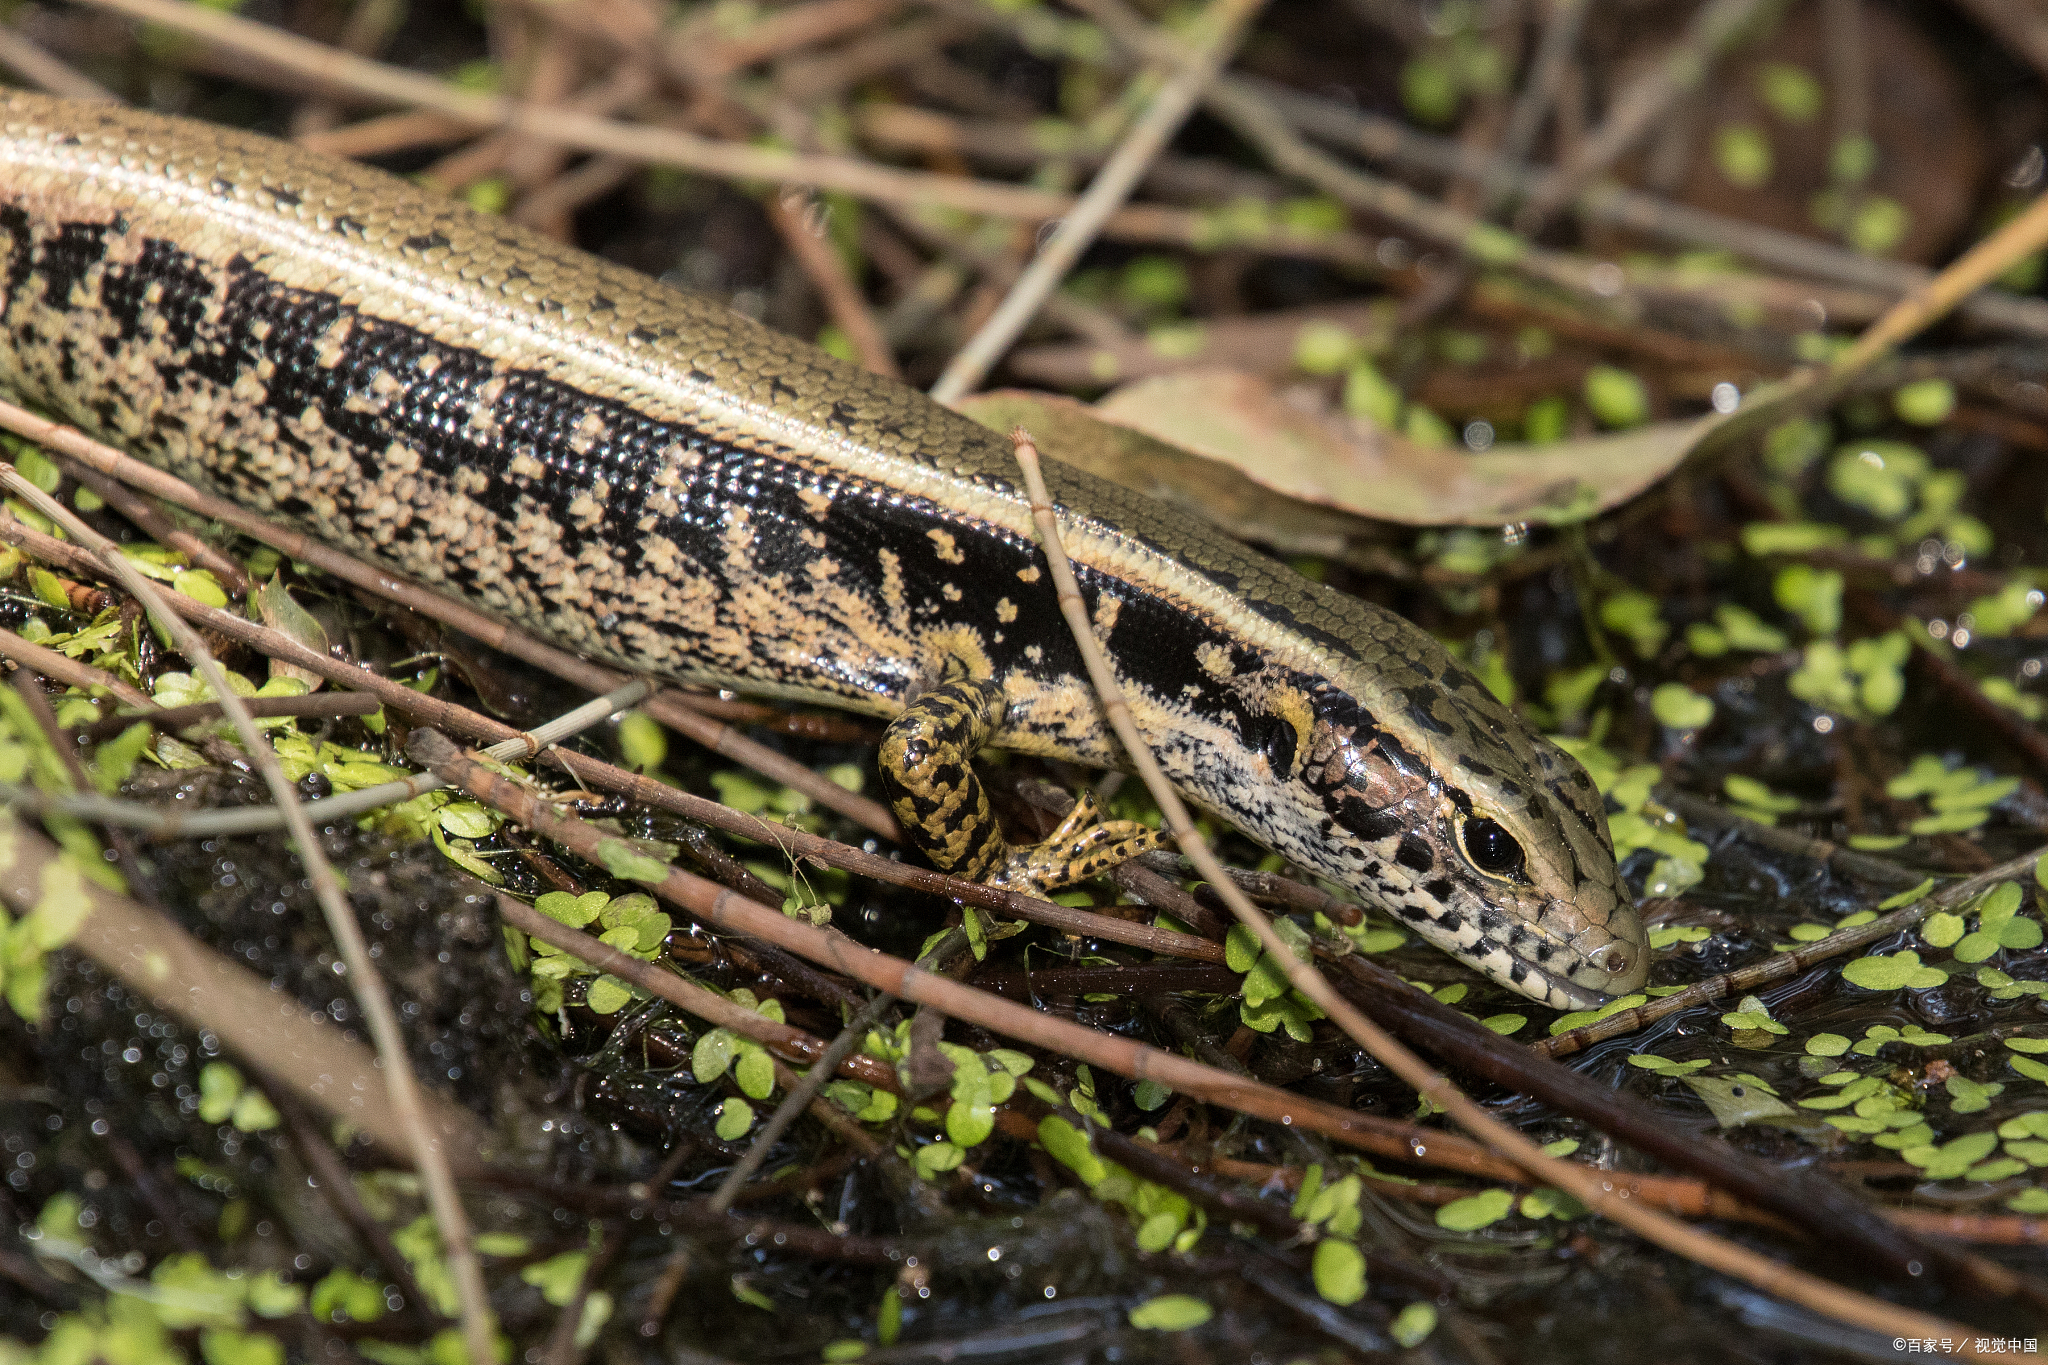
(1436, 804)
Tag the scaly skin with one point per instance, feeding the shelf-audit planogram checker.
(653, 480)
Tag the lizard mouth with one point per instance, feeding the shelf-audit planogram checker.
(1520, 956)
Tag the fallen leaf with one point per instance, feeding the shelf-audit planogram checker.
(1735, 1102)
(1298, 448)
(280, 612)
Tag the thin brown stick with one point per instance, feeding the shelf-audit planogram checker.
(552, 203)
(164, 531)
(1610, 204)
(785, 1040)
(797, 27)
(804, 1093)
(1223, 24)
(1589, 1189)
(1993, 1229)
(1715, 28)
(71, 672)
(798, 222)
(27, 59)
(2023, 27)
(387, 133)
(299, 60)
(1977, 267)
(724, 909)
(371, 24)
(338, 1188)
(315, 705)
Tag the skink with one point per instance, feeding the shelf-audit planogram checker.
(651, 479)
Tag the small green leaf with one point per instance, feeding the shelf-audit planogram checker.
(934, 1159)
(755, 1070)
(1970, 1097)
(1413, 1324)
(1323, 348)
(1790, 91)
(1066, 1145)
(1924, 402)
(1977, 947)
(1616, 397)
(1751, 1014)
(559, 1277)
(1634, 614)
(1150, 1095)
(1790, 537)
(1896, 971)
(1665, 1066)
(608, 995)
(1681, 708)
(735, 1117)
(1475, 1211)
(2019, 934)
(1241, 949)
(1942, 930)
(628, 863)
(469, 820)
(39, 469)
(1951, 1159)
(970, 1124)
(1171, 1313)
(201, 586)
(1900, 901)
(1747, 791)
(254, 1113)
(1369, 394)
(642, 742)
(220, 1085)
(2033, 1153)
(225, 1346)
(1813, 595)
(1742, 153)
(1339, 1272)
(271, 1297)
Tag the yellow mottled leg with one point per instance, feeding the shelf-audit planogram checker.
(928, 776)
(1085, 845)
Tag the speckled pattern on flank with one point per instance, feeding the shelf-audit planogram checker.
(651, 479)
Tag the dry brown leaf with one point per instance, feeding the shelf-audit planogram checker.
(1296, 447)
(1277, 467)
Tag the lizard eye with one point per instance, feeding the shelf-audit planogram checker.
(1491, 848)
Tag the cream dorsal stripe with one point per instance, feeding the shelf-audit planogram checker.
(648, 478)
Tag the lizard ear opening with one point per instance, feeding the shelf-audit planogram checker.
(1490, 848)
